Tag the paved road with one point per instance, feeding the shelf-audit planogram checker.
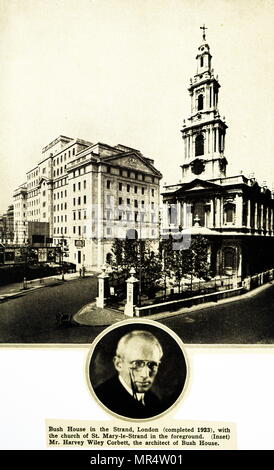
(248, 321)
(32, 318)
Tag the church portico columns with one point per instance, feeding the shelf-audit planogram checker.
(239, 210)
(222, 211)
(270, 215)
(267, 220)
(218, 212)
(262, 217)
(211, 214)
(192, 145)
(179, 214)
(208, 142)
(185, 221)
(185, 144)
(248, 221)
(213, 141)
(256, 216)
(165, 215)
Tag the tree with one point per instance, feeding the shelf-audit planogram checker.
(201, 266)
(192, 261)
(130, 253)
(151, 269)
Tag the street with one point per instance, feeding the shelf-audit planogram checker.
(32, 318)
(248, 321)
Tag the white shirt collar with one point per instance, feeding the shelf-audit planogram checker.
(140, 396)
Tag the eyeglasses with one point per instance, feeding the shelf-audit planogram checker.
(139, 364)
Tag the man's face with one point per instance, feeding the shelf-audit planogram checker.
(130, 367)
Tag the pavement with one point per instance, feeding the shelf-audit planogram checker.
(90, 315)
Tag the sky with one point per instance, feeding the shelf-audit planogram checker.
(117, 71)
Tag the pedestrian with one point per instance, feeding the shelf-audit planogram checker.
(80, 273)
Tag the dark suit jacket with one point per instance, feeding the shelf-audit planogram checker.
(117, 399)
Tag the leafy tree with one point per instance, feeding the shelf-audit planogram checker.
(192, 261)
(151, 269)
(136, 254)
(201, 266)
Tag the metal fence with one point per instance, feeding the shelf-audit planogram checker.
(187, 289)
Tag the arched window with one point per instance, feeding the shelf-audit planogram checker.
(199, 145)
(202, 61)
(200, 102)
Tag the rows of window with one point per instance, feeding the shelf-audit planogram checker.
(62, 158)
(79, 200)
(19, 197)
(128, 202)
(19, 205)
(79, 230)
(60, 218)
(134, 175)
(80, 214)
(79, 172)
(19, 214)
(61, 207)
(59, 171)
(33, 183)
(109, 231)
(79, 185)
(60, 194)
(33, 174)
(33, 202)
(33, 193)
(56, 172)
(60, 230)
(34, 212)
(128, 187)
(59, 183)
(130, 216)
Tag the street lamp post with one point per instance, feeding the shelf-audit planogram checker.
(61, 245)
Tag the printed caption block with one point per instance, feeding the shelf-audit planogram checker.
(165, 435)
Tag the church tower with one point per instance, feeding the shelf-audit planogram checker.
(204, 132)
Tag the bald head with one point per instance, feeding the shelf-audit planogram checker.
(134, 338)
(138, 356)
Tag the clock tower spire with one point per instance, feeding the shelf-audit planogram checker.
(204, 132)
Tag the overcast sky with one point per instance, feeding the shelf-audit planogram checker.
(117, 71)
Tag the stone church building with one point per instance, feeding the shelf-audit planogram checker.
(234, 213)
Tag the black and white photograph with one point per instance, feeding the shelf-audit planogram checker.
(173, 222)
(137, 186)
(137, 370)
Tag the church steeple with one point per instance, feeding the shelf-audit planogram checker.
(204, 134)
(203, 57)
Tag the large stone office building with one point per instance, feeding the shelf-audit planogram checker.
(7, 226)
(234, 213)
(82, 195)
